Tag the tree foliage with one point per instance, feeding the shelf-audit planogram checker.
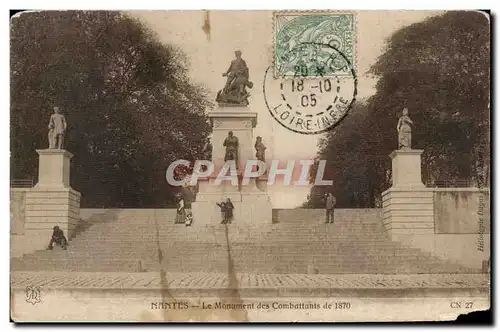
(130, 106)
(440, 70)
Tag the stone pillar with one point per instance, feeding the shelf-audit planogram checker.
(52, 201)
(53, 170)
(241, 122)
(408, 204)
(406, 169)
(251, 205)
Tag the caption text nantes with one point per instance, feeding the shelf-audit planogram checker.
(250, 305)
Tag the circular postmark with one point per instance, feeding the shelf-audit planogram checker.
(319, 94)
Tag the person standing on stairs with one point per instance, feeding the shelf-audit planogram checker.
(229, 210)
(222, 206)
(226, 209)
(189, 213)
(330, 203)
(180, 217)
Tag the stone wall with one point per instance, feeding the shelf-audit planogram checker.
(461, 211)
(17, 210)
(17, 220)
(460, 224)
(34, 212)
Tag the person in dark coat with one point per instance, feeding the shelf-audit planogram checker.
(222, 206)
(58, 238)
(180, 217)
(330, 203)
(226, 209)
(229, 210)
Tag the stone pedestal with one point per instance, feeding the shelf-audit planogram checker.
(239, 120)
(408, 212)
(53, 169)
(406, 169)
(251, 202)
(52, 201)
(407, 205)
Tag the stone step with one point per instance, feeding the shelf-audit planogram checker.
(169, 265)
(334, 248)
(234, 233)
(239, 229)
(344, 248)
(152, 254)
(259, 260)
(127, 229)
(283, 268)
(257, 238)
(234, 224)
(250, 227)
(117, 240)
(235, 255)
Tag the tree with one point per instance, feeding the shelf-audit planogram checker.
(347, 151)
(127, 98)
(439, 69)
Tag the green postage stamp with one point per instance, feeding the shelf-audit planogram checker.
(314, 44)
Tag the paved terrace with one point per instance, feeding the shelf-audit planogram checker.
(260, 284)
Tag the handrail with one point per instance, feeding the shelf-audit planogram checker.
(21, 183)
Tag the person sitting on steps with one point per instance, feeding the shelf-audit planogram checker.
(58, 238)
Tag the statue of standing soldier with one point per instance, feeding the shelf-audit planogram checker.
(234, 91)
(260, 149)
(57, 129)
(231, 144)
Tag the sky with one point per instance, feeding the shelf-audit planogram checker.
(252, 33)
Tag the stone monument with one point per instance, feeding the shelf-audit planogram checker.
(406, 169)
(52, 202)
(404, 130)
(231, 144)
(260, 149)
(234, 91)
(57, 129)
(233, 122)
(407, 205)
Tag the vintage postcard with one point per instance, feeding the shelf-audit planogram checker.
(249, 166)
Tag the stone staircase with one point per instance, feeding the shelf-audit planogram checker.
(145, 240)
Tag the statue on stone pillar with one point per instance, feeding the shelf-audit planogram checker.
(260, 149)
(234, 91)
(231, 144)
(404, 131)
(57, 129)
